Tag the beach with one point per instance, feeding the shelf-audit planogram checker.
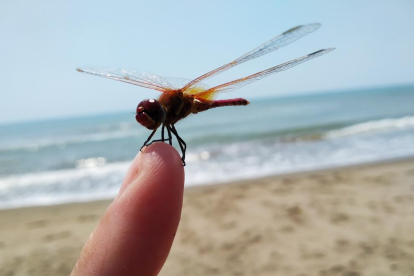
(356, 220)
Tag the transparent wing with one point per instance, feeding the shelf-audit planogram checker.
(236, 84)
(180, 82)
(140, 78)
(277, 42)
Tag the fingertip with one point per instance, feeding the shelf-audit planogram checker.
(162, 158)
(160, 181)
(159, 174)
(156, 159)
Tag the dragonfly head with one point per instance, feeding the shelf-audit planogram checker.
(150, 113)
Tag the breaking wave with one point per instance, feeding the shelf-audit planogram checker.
(373, 127)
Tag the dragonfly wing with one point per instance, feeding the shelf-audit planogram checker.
(277, 42)
(180, 82)
(239, 83)
(139, 78)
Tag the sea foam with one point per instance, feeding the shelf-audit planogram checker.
(373, 126)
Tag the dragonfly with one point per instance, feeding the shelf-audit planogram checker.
(175, 104)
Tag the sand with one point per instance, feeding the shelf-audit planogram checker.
(348, 221)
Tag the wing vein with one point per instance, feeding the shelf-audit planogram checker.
(139, 78)
(275, 43)
(239, 83)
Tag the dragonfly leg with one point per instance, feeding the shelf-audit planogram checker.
(170, 128)
(181, 143)
(149, 138)
(162, 137)
(169, 136)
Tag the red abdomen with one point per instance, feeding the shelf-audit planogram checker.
(203, 106)
(233, 102)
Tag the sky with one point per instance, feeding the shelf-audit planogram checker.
(43, 42)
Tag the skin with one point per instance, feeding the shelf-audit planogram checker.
(137, 230)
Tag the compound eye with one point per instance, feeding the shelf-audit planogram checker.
(150, 113)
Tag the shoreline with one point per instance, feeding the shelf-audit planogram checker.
(354, 220)
(305, 172)
(240, 181)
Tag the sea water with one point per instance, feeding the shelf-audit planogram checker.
(86, 158)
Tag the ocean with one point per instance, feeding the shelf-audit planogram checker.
(86, 158)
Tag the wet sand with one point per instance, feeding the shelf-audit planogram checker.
(348, 221)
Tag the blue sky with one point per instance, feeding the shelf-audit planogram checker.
(42, 42)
